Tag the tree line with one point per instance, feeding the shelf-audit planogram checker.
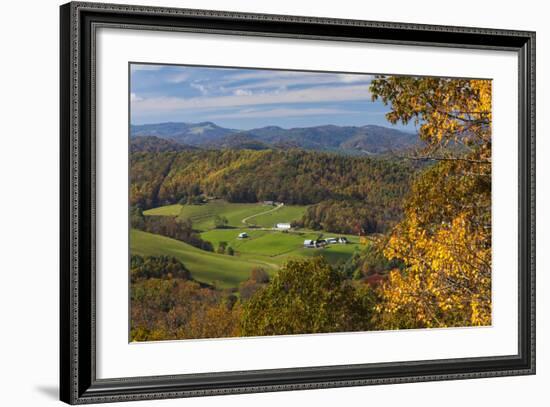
(349, 216)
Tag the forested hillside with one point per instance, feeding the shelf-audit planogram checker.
(292, 177)
(154, 144)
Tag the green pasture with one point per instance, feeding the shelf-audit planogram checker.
(283, 214)
(203, 215)
(264, 246)
(222, 270)
(258, 214)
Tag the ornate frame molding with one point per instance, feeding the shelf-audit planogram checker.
(77, 246)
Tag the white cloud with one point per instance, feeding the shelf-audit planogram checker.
(310, 95)
(284, 79)
(242, 92)
(134, 97)
(201, 88)
(178, 77)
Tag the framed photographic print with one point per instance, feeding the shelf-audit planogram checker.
(255, 203)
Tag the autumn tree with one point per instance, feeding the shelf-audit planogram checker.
(222, 246)
(165, 309)
(444, 240)
(220, 222)
(257, 280)
(162, 267)
(447, 112)
(137, 219)
(214, 322)
(306, 296)
(259, 275)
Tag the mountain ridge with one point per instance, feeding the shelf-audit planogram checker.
(367, 139)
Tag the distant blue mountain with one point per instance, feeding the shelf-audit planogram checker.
(369, 139)
(186, 133)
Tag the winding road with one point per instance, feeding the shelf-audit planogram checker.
(245, 220)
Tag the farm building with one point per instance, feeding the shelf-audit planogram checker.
(334, 240)
(283, 226)
(310, 243)
(321, 242)
(243, 235)
(315, 243)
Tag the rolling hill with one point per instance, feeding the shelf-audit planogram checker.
(238, 141)
(212, 268)
(154, 144)
(369, 139)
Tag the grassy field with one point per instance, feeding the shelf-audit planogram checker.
(203, 215)
(222, 270)
(262, 242)
(284, 214)
(264, 247)
(333, 253)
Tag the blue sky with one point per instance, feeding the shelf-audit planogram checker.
(249, 98)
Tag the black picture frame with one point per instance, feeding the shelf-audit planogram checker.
(78, 382)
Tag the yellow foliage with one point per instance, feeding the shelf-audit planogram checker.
(448, 276)
(445, 238)
(445, 110)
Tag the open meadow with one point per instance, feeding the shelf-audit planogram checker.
(264, 247)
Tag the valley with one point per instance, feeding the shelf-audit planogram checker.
(263, 247)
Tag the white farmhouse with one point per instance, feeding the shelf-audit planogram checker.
(283, 226)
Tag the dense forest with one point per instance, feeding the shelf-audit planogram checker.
(292, 177)
(349, 216)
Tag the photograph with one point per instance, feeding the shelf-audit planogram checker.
(269, 202)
